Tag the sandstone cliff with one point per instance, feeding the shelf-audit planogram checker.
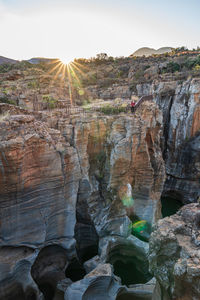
(63, 184)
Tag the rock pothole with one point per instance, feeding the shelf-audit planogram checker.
(130, 268)
(75, 271)
(171, 203)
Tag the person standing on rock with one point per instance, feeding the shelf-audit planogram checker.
(132, 106)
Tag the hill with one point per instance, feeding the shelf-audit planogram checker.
(146, 51)
(5, 60)
(37, 60)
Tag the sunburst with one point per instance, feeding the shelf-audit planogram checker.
(68, 72)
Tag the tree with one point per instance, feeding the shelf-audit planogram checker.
(102, 56)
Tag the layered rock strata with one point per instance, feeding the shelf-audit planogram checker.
(63, 191)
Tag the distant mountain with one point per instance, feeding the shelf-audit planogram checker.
(37, 60)
(5, 60)
(150, 51)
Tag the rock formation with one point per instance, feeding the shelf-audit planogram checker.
(175, 255)
(65, 183)
(80, 192)
(180, 104)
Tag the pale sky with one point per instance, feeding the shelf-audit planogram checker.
(69, 29)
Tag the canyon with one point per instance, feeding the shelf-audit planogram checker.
(80, 195)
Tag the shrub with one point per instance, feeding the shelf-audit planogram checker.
(4, 116)
(51, 102)
(196, 68)
(112, 110)
(171, 67)
(6, 100)
(5, 68)
(34, 84)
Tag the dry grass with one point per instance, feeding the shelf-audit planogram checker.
(4, 116)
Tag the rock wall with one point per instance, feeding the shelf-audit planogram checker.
(175, 256)
(63, 191)
(180, 104)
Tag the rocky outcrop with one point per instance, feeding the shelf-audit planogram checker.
(39, 183)
(179, 102)
(98, 284)
(69, 192)
(175, 256)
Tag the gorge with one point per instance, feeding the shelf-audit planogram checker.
(80, 195)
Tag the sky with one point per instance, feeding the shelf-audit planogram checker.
(69, 29)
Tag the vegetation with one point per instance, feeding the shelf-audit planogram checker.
(112, 110)
(171, 67)
(34, 84)
(50, 101)
(23, 65)
(4, 116)
(6, 100)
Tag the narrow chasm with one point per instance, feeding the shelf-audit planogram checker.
(75, 270)
(48, 269)
(171, 202)
(128, 266)
(86, 236)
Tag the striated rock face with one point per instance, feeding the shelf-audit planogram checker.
(180, 104)
(175, 255)
(69, 192)
(39, 184)
(98, 284)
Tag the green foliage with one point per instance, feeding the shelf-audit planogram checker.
(5, 68)
(196, 68)
(112, 110)
(51, 102)
(34, 84)
(23, 65)
(100, 159)
(192, 63)
(139, 74)
(85, 102)
(171, 67)
(6, 100)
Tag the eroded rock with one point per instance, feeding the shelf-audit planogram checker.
(174, 254)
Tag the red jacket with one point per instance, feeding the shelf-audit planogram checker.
(132, 104)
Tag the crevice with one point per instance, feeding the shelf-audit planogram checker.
(85, 233)
(166, 128)
(48, 269)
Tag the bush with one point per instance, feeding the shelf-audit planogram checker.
(6, 100)
(112, 110)
(51, 102)
(192, 63)
(5, 68)
(34, 84)
(171, 67)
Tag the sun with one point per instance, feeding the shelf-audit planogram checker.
(65, 61)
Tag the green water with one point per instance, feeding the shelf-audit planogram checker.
(170, 206)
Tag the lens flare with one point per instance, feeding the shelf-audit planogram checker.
(70, 76)
(65, 61)
(142, 230)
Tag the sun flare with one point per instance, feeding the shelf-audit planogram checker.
(65, 61)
